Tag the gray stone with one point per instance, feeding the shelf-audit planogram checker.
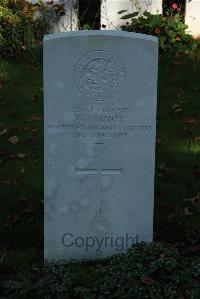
(99, 142)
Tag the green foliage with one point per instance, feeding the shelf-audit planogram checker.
(170, 30)
(145, 271)
(22, 27)
(130, 15)
(86, 27)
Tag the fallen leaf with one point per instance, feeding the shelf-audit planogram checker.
(174, 79)
(5, 182)
(13, 140)
(195, 248)
(35, 97)
(187, 131)
(178, 110)
(36, 161)
(34, 130)
(194, 200)
(3, 132)
(21, 155)
(12, 156)
(3, 152)
(34, 118)
(171, 216)
(197, 139)
(186, 212)
(189, 120)
(158, 140)
(176, 106)
(30, 209)
(31, 141)
(197, 173)
(147, 281)
(33, 66)
(162, 166)
(25, 8)
(176, 62)
(21, 199)
(14, 183)
(11, 219)
(22, 170)
(2, 80)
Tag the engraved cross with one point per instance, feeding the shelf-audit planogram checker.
(99, 171)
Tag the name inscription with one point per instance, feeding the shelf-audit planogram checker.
(99, 121)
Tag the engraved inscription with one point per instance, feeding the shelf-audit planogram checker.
(100, 121)
(99, 75)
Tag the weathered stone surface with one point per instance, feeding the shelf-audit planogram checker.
(100, 125)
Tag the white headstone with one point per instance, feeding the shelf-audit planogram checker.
(100, 125)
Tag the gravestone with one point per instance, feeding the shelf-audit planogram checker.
(99, 142)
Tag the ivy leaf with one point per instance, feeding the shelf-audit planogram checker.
(122, 11)
(146, 13)
(129, 16)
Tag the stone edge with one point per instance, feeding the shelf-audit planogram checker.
(112, 33)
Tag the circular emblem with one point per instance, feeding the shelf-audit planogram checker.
(99, 75)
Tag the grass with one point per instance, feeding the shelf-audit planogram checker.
(177, 181)
(21, 172)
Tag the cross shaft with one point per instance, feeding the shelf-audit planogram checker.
(99, 171)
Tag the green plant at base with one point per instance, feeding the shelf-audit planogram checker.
(145, 271)
(86, 27)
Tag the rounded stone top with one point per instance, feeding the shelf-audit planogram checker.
(114, 33)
